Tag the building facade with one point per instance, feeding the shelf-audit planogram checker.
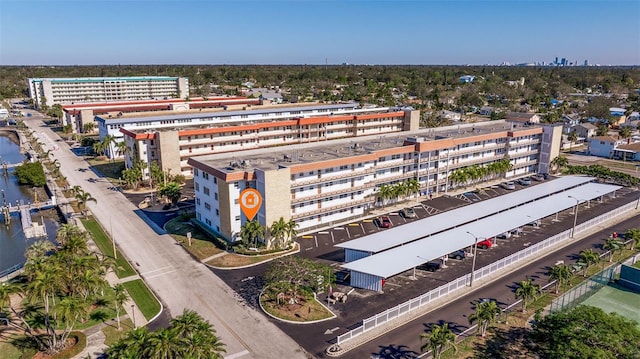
(79, 114)
(172, 140)
(50, 91)
(324, 184)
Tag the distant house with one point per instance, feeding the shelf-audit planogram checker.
(634, 116)
(523, 117)
(266, 94)
(628, 152)
(4, 113)
(450, 115)
(571, 120)
(617, 111)
(585, 130)
(486, 110)
(604, 146)
(466, 78)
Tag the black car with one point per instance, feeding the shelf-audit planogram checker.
(460, 254)
(430, 266)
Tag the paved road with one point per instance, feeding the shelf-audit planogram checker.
(175, 277)
(406, 339)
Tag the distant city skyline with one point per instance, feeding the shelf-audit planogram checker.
(318, 32)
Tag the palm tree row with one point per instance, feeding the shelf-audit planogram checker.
(281, 233)
(398, 190)
(476, 173)
(59, 288)
(82, 197)
(188, 336)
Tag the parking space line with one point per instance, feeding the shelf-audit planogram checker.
(307, 237)
(354, 224)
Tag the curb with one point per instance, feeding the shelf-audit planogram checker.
(333, 315)
(292, 252)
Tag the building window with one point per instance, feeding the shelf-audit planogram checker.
(196, 172)
(237, 218)
(205, 190)
(208, 206)
(197, 186)
(215, 196)
(215, 180)
(217, 212)
(198, 201)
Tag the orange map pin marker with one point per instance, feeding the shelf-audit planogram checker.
(250, 202)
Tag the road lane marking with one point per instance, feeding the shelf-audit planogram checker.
(159, 274)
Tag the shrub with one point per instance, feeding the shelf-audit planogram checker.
(31, 173)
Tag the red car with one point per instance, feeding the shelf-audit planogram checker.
(485, 244)
(384, 222)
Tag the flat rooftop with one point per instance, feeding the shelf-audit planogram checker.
(274, 157)
(134, 118)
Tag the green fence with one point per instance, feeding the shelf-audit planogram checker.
(584, 290)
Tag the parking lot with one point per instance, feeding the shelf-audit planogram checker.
(410, 284)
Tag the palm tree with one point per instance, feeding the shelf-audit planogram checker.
(290, 231)
(385, 192)
(163, 344)
(572, 137)
(88, 127)
(251, 232)
(559, 162)
(66, 231)
(71, 311)
(39, 249)
(561, 274)
(413, 187)
(120, 296)
(486, 313)
(612, 245)
(437, 339)
(122, 150)
(624, 132)
(83, 198)
(527, 290)
(633, 235)
(107, 143)
(99, 148)
(588, 258)
(277, 231)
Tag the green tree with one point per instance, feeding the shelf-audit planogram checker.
(88, 127)
(602, 130)
(588, 258)
(438, 338)
(119, 298)
(572, 138)
(30, 173)
(84, 197)
(561, 274)
(624, 132)
(612, 245)
(558, 163)
(297, 277)
(633, 235)
(586, 332)
(485, 314)
(527, 290)
(172, 191)
(252, 232)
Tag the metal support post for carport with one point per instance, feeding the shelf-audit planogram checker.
(473, 264)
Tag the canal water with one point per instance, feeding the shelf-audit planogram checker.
(12, 241)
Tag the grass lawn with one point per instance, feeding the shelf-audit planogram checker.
(143, 297)
(201, 246)
(307, 311)
(123, 268)
(112, 170)
(9, 351)
(112, 334)
(232, 260)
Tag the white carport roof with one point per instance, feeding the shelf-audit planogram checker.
(409, 232)
(400, 259)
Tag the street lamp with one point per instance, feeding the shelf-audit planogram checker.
(575, 216)
(473, 264)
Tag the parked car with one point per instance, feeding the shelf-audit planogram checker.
(460, 254)
(524, 181)
(408, 213)
(504, 235)
(384, 222)
(430, 266)
(539, 177)
(509, 185)
(485, 244)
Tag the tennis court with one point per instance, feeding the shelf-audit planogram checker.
(615, 298)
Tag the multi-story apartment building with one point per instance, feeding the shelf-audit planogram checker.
(50, 91)
(79, 114)
(171, 140)
(327, 183)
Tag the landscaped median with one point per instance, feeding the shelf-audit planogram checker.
(139, 292)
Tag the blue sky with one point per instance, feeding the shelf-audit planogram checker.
(312, 32)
